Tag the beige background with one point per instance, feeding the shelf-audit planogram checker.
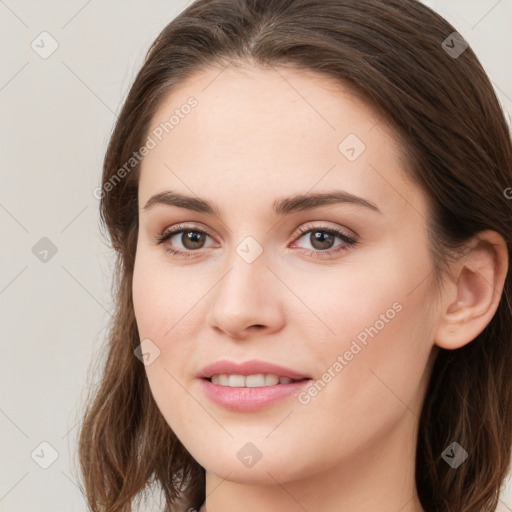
(56, 115)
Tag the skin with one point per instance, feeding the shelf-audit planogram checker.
(256, 135)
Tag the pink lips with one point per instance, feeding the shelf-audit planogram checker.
(245, 398)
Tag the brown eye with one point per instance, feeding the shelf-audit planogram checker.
(183, 241)
(321, 240)
(192, 239)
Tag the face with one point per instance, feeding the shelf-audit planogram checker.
(336, 290)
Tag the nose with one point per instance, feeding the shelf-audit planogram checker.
(247, 300)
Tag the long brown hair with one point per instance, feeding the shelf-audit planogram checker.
(443, 109)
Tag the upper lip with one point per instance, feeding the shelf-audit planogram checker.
(252, 367)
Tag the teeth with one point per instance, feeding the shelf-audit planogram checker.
(223, 380)
(249, 381)
(236, 381)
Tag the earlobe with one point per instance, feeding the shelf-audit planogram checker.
(471, 300)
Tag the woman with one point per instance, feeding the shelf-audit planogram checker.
(308, 200)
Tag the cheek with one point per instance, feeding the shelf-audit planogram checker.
(379, 324)
(383, 289)
(163, 297)
(161, 314)
(167, 306)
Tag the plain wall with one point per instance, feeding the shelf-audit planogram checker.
(56, 117)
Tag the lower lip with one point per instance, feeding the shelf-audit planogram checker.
(250, 399)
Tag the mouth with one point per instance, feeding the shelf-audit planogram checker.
(250, 385)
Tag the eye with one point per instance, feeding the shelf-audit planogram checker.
(190, 238)
(322, 240)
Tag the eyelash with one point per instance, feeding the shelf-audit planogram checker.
(349, 242)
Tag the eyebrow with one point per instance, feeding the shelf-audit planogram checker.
(281, 207)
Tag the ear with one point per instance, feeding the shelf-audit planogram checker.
(471, 299)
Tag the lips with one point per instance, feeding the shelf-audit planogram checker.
(250, 398)
(252, 367)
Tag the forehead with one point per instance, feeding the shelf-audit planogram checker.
(260, 99)
(265, 128)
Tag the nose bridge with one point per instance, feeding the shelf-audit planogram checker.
(242, 296)
(246, 277)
